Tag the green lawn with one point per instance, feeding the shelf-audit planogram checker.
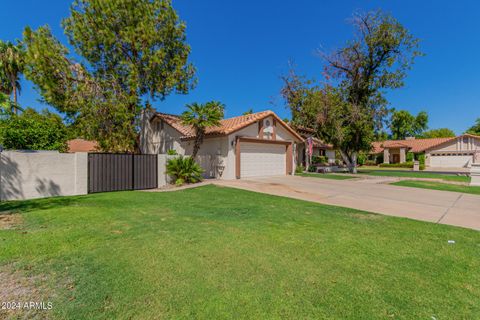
(215, 252)
(414, 174)
(438, 186)
(325, 176)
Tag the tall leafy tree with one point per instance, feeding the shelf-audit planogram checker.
(200, 117)
(132, 51)
(403, 124)
(62, 82)
(348, 112)
(11, 67)
(437, 133)
(475, 129)
(142, 42)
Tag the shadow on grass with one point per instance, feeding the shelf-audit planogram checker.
(18, 206)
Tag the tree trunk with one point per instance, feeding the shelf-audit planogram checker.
(15, 98)
(353, 168)
(345, 158)
(350, 160)
(196, 145)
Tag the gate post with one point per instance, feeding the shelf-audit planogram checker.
(81, 173)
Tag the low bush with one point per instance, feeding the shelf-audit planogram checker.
(172, 152)
(362, 159)
(299, 169)
(421, 158)
(319, 160)
(397, 165)
(410, 157)
(370, 163)
(184, 170)
(312, 169)
(401, 165)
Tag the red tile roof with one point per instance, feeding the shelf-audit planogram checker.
(308, 132)
(81, 145)
(414, 145)
(317, 143)
(226, 127)
(377, 147)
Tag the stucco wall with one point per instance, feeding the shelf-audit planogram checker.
(449, 146)
(212, 156)
(146, 132)
(163, 178)
(459, 144)
(32, 174)
(167, 139)
(282, 133)
(157, 136)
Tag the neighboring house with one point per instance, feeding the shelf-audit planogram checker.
(319, 147)
(455, 152)
(258, 144)
(81, 145)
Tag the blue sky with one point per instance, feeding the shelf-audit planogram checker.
(242, 47)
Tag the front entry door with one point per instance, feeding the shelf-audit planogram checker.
(396, 158)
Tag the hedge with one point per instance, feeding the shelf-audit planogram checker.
(401, 165)
(319, 159)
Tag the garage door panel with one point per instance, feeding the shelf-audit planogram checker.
(262, 159)
(452, 161)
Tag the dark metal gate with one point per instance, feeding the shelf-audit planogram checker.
(117, 172)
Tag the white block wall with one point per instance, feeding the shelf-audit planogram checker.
(39, 174)
(163, 178)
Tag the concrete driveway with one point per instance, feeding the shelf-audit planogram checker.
(373, 195)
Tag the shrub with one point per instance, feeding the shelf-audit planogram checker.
(337, 162)
(184, 170)
(31, 130)
(401, 165)
(319, 160)
(370, 163)
(172, 152)
(410, 156)
(421, 158)
(312, 169)
(299, 169)
(397, 165)
(362, 158)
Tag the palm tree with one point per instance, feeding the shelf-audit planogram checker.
(200, 117)
(246, 113)
(11, 67)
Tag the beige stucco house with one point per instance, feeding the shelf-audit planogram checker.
(455, 152)
(258, 144)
